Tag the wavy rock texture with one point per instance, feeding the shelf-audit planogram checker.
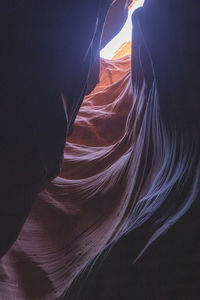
(79, 212)
(125, 208)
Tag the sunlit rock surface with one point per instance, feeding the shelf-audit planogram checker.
(124, 50)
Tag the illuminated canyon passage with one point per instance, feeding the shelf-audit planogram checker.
(100, 150)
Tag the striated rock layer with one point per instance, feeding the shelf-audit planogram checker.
(121, 221)
(77, 214)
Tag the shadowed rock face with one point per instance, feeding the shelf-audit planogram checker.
(69, 220)
(173, 47)
(131, 169)
(115, 19)
(43, 82)
(158, 258)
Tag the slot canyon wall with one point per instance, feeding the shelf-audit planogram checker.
(120, 219)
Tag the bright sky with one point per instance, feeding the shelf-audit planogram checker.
(124, 35)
